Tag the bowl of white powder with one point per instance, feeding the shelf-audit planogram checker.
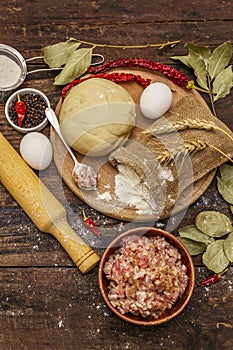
(13, 71)
(146, 276)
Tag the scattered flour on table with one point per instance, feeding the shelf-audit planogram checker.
(60, 324)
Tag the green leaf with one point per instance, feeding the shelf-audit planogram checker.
(183, 59)
(225, 188)
(226, 170)
(223, 83)
(200, 71)
(76, 65)
(219, 59)
(228, 247)
(56, 55)
(204, 64)
(194, 248)
(225, 182)
(214, 257)
(194, 51)
(202, 51)
(198, 63)
(192, 232)
(213, 223)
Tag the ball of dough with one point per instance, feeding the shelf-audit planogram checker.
(97, 116)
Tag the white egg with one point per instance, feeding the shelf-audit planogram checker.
(36, 150)
(155, 100)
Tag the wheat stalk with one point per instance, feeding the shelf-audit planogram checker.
(185, 124)
(179, 126)
(185, 149)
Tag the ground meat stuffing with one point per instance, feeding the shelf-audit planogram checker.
(146, 276)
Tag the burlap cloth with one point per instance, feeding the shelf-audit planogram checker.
(141, 154)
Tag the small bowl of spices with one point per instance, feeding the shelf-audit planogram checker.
(25, 110)
(146, 276)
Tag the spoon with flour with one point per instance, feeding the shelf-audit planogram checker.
(83, 175)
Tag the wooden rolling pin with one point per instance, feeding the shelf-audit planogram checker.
(41, 206)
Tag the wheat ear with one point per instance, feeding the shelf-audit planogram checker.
(181, 150)
(185, 149)
(185, 124)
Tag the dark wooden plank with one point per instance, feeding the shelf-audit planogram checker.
(46, 303)
(201, 33)
(55, 308)
(102, 12)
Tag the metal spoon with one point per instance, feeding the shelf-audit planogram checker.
(83, 175)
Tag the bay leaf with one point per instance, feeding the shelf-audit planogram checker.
(192, 232)
(199, 67)
(194, 50)
(226, 170)
(228, 247)
(182, 59)
(225, 188)
(198, 60)
(202, 51)
(76, 65)
(214, 257)
(223, 83)
(56, 55)
(219, 59)
(213, 223)
(194, 248)
(225, 182)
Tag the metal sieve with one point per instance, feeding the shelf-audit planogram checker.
(17, 58)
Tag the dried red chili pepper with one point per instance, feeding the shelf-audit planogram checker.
(115, 77)
(171, 73)
(91, 225)
(20, 108)
(211, 279)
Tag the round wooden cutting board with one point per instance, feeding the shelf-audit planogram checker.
(103, 198)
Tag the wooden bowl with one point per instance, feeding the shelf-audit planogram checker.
(180, 303)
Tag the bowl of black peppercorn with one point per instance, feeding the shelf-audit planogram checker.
(25, 110)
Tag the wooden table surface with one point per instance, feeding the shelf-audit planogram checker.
(46, 302)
